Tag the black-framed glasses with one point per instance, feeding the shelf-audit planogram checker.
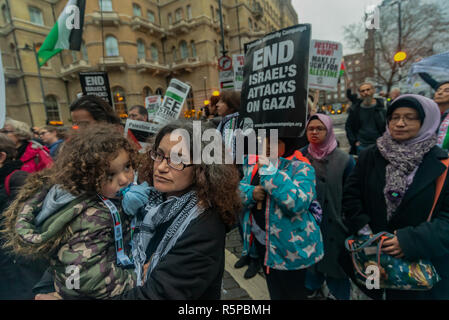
(317, 129)
(6, 131)
(407, 119)
(158, 157)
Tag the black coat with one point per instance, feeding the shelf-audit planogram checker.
(17, 275)
(192, 269)
(352, 125)
(364, 203)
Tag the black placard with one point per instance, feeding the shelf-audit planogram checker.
(274, 93)
(96, 83)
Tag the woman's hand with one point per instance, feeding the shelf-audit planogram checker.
(259, 193)
(48, 296)
(392, 247)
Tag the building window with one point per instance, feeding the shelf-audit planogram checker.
(178, 14)
(192, 45)
(84, 52)
(36, 16)
(5, 14)
(150, 15)
(105, 5)
(250, 24)
(136, 10)
(147, 92)
(154, 53)
(216, 48)
(159, 92)
(111, 47)
(190, 100)
(119, 100)
(170, 20)
(52, 108)
(189, 12)
(74, 56)
(212, 12)
(173, 50)
(184, 50)
(141, 52)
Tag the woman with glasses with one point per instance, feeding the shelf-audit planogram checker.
(393, 186)
(180, 232)
(33, 155)
(332, 167)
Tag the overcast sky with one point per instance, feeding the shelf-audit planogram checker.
(329, 16)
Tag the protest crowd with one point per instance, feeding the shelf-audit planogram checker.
(129, 210)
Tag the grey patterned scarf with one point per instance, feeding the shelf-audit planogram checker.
(404, 161)
(183, 209)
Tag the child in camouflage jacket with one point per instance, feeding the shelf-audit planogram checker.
(59, 215)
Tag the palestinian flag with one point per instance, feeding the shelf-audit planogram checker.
(66, 33)
(342, 69)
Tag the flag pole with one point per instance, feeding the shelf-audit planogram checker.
(102, 28)
(40, 80)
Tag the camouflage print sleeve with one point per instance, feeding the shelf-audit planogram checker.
(91, 253)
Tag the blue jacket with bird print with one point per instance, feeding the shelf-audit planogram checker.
(293, 239)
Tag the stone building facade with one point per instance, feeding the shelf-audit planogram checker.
(142, 44)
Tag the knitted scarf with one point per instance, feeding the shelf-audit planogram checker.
(182, 209)
(404, 161)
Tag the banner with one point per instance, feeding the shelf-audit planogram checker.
(174, 99)
(97, 84)
(325, 64)
(2, 94)
(139, 132)
(274, 93)
(238, 62)
(152, 104)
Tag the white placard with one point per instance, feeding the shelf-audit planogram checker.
(324, 65)
(139, 132)
(174, 99)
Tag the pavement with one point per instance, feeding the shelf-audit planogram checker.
(235, 286)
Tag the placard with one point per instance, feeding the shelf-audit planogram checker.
(139, 132)
(97, 84)
(325, 65)
(238, 63)
(274, 93)
(152, 104)
(175, 96)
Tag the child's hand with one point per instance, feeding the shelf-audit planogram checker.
(135, 198)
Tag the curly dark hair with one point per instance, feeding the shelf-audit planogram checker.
(216, 185)
(82, 166)
(232, 99)
(98, 108)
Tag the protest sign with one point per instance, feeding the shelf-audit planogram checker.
(97, 84)
(226, 79)
(138, 132)
(238, 64)
(175, 96)
(274, 93)
(325, 64)
(152, 104)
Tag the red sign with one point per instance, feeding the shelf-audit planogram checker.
(225, 63)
